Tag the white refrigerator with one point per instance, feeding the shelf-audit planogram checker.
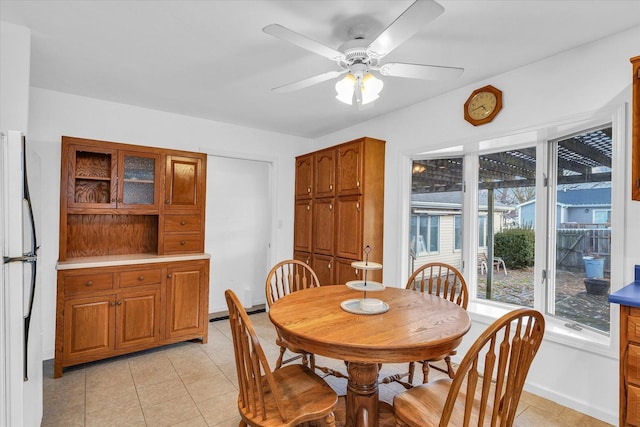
(20, 320)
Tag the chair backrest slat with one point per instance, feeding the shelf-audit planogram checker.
(289, 276)
(442, 280)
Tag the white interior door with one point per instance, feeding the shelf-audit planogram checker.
(238, 229)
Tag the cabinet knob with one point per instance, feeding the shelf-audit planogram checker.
(330, 206)
(119, 303)
(330, 187)
(308, 207)
(308, 189)
(329, 266)
(113, 200)
(169, 276)
(183, 222)
(112, 304)
(166, 202)
(358, 184)
(89, 283)
(182, 243)
(141, 278)
(358, 206)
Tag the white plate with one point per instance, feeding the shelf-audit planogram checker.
(353, 306)
(359, 285)
(364, 265)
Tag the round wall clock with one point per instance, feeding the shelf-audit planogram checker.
(483, 105)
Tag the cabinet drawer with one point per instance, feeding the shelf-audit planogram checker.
(633, 403)
(633, 328)
(633, 364)
(87, 283)
(178, 243)
(181, 223)
(151, 276)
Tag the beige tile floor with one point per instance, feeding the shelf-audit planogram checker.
(191, 384)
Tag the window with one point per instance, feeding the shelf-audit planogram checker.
(505, 180)
(601, 216)
(424, 234)
(482, 231)
(541, 221)
(436, 205)
(579, 271)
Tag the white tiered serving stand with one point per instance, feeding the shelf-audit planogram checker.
(365, 305)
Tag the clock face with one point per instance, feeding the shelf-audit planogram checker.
(481, 105)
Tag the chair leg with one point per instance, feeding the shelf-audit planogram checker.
(330, 420)
(242, 424)
(305, 360)
(450, 370)
(425, 372)
(312, 362)
(412, 368)
(279, 361)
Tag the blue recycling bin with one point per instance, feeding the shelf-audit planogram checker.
(594, 266)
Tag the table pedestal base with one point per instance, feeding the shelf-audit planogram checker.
(385, 416)
(362, 394)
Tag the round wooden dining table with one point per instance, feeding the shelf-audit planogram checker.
(416, 326)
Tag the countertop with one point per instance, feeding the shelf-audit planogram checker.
(115, 260)
(630, 294)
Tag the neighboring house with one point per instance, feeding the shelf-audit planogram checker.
(436, 226)
(575, 208)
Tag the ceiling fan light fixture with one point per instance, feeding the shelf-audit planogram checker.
(366, 89)
(345, 88)
(371, 88)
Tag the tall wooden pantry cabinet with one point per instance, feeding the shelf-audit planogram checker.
(132, 272)
(339, 209)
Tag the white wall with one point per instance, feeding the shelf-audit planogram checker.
(53, 114)
(579, 81)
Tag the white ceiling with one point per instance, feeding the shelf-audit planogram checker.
(210, 59)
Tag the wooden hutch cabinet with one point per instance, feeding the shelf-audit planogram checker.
(132, 272)
(339, 208)
(635, 123)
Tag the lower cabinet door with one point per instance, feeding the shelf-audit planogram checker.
(89, 326)
(138, 318)
(323, 267)
(185, 300)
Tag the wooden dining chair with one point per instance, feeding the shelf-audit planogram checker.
(488, 383)
(447, 282)
(288, 396)
(284, 278)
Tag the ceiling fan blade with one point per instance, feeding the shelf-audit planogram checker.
(417, 71)
(304, 42)
(405, 26)
(308, 82)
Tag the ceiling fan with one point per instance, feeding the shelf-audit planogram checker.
(358, 57)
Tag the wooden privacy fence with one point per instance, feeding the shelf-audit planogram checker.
(574, 243)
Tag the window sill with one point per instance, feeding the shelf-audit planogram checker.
(555, 330)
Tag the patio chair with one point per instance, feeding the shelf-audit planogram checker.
(488, 383)
(285, 397)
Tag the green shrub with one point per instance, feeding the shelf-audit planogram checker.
(516, 247)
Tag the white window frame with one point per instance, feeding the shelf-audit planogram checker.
(486, 311)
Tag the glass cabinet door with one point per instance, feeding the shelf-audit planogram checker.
(138, 180)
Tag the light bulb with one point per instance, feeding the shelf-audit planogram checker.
(371, 87)
(345, 89)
